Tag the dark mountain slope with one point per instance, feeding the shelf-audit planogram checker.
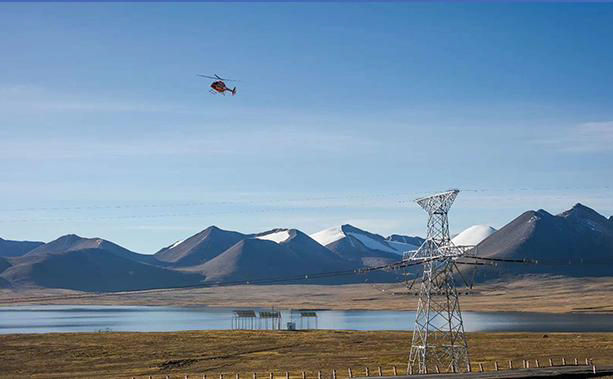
(200, 247)
(92, 269)
(4, 264)
(16, 248)
(252, 259)
(72, 242)
(578, 242)
(90, 264)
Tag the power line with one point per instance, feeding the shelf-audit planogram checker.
(548, 261)
(305, 199)
(185, 214)
(255, 201)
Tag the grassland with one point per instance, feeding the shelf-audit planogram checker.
(533, 294)
(70, 355)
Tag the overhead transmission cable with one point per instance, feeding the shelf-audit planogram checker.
(277, 199)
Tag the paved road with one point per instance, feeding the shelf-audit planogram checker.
(543, 372)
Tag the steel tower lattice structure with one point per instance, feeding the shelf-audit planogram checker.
(438, 337)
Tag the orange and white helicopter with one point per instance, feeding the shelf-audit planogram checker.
(219, 85)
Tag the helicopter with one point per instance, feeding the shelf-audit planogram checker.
(219, 85)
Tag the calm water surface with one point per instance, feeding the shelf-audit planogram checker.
(44, 319)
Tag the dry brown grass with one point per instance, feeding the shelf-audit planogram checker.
(176, 354)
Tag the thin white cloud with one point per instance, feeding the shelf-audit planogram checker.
(586, 137)
(163, 227)
(30, 98)
(268, 142)
(512, 204)
(273, 131)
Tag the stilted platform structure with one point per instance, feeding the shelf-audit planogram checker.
(438, 341)
(270, 320)
(304, 319)
(244, 319)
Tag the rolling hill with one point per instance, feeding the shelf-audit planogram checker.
(72, 242)
(90, 264)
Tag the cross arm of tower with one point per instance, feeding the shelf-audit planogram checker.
(439, 203)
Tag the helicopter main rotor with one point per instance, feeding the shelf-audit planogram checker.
(216, 77)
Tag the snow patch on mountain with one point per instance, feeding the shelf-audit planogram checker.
(473, 235)
(372, 243)
(278, 237)
(175, 244)
(402, 247)
(328, 236)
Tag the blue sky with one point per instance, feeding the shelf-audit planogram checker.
(344, 113)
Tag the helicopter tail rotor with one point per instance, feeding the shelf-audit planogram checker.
(233, 91)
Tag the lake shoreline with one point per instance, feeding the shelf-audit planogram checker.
(244, 307)
(39, 319)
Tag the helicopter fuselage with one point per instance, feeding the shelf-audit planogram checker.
(219, 86)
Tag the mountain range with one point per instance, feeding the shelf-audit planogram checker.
(577, 242)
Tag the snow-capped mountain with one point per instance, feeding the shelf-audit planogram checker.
(473, 235)
(355, 244)
(361, 238)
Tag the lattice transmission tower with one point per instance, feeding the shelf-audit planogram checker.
(438, 341)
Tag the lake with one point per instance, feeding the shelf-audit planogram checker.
(70, 318)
